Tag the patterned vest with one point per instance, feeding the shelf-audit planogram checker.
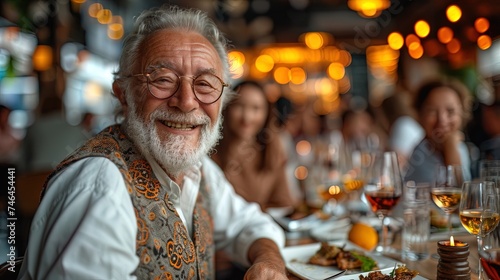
(165, 249)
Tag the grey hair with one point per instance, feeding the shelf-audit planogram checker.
(167, 17)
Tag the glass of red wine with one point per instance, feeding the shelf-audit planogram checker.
(382, 189)
(489, 250)
(489, 256)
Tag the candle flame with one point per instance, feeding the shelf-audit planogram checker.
(452, 241)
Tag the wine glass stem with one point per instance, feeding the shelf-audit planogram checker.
(448, 223)
(384, 231)
(479, 248)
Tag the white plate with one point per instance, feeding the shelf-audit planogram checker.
(296, 258)
(332, 230)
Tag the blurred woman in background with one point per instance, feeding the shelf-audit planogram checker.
(250, 152)
(252, 158)
(443, 108)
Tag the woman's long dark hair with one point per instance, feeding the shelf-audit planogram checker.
(264, 136)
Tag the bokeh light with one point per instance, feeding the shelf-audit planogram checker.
(445, 34)
(297, 75)
(314, 40)
(282, 75)
(42, 58)
(453, 13)
(301, 172)
(94, 9)
(412, 39)
(481, 24)
(104, 16)
(345, 58)
(484, 42)
(336, 70)
(453, 46)
(236, 62)
(395, 40)
(264, 63)
(416, 52)
(303, 147)
(115, 31)
(422, 28)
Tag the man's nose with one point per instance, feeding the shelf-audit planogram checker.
(185, 98)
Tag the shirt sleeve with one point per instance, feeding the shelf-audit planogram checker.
(237, 223)
(85, 226)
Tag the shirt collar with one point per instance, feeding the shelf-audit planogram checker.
(193, 173)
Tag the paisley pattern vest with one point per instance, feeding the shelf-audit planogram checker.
(165, 249)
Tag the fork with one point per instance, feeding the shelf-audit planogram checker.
(335, 275)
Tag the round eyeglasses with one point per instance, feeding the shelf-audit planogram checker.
(163, 83)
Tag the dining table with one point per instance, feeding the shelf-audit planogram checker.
(426, 268)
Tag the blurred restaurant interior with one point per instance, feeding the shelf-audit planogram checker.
(326, 54)
(320, 51)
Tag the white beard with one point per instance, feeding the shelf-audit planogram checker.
(174, 153)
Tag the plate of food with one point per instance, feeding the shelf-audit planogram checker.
(319, 261)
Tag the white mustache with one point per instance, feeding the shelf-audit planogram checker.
(192, 119)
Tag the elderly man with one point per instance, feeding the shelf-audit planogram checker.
(142, 199)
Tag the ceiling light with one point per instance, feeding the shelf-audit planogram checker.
(368, 8)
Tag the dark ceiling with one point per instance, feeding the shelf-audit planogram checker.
(348, 28)
(249, 23)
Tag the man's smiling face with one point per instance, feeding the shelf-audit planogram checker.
(178, 130)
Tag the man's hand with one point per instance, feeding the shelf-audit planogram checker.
(265, 270)
(266, 260)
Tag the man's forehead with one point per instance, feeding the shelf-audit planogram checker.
(181, 46)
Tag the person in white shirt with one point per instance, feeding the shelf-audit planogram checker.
(403, 130)
(141, 199)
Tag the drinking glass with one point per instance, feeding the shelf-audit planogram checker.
(447, 189)
(417, 220)
(489, 170)
(329, 179)
(383, 188)
(489, 256)
(479, 213)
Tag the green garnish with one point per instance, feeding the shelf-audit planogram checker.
(367, 263)
(393, 272)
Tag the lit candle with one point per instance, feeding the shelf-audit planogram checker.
(453, 259)
(453, 243)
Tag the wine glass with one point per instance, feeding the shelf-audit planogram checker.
(383, 188)
(489, 256)
(447, 189)
(489, 170)
(479, 213)
(329, 185)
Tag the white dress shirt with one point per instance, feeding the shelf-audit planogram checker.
(85, 226)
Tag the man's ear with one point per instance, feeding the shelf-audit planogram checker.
(120, 94)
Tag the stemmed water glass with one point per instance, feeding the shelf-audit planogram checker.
(447, 189)
(489, 170)
(383, 188)
(479, 213)
(489, 256)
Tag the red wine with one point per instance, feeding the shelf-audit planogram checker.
(490, 261)
(382, 201)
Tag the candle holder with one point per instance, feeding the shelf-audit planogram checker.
(453, 263)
